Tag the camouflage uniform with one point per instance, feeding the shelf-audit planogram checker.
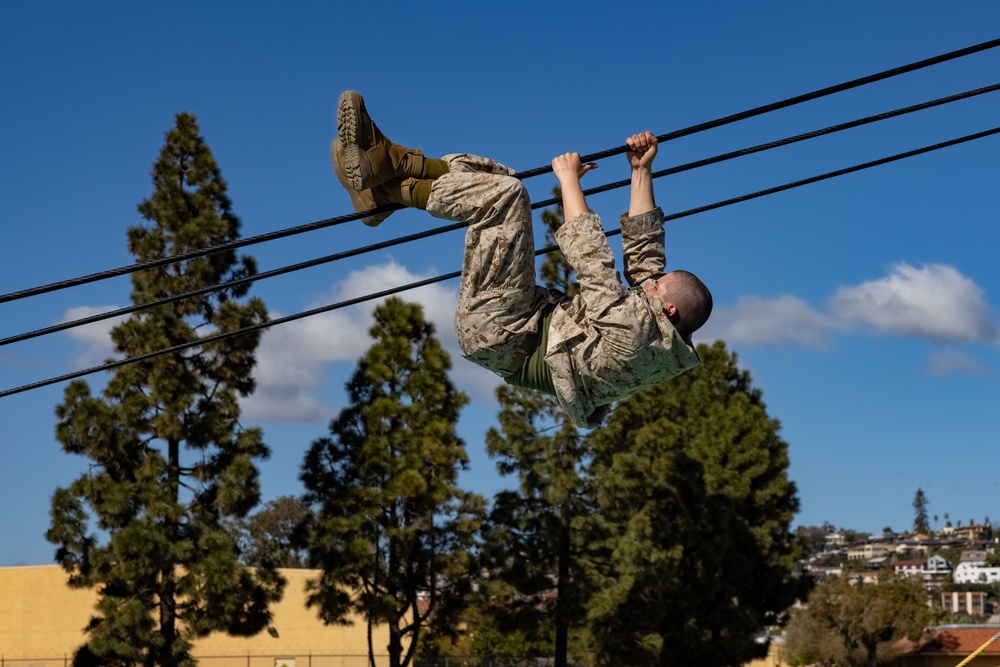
(604, 344)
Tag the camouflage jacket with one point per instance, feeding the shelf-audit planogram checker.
(609, 341)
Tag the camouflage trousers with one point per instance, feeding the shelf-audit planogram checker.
(499, 304)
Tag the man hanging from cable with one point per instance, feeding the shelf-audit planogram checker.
(589, 351)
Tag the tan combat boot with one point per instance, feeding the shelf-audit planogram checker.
(370, 158)
(394, 191)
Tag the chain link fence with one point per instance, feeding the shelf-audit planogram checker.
(309, 660)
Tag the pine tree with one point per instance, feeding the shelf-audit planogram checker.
(533, 537)
(920, 523)
(392, 532)
(694, 555)
(169, 461)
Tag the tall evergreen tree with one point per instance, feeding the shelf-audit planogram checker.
(695, 556)
(920, 522)
(169, 460)
(392, 531)
(533, 537)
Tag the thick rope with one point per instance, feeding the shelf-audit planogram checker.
(455, 274)
(63, 326)
(750, 113)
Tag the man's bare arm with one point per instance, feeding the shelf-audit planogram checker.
(568, 170)
(642, 150)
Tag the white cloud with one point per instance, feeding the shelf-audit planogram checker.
(950, 361)
(438, 301)
(757, 321)
(934, 302)
(95, 338)
(294, 359)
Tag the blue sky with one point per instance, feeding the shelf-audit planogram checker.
(864, 307)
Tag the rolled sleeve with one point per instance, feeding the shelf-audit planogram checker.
(586, 248)
(643, 246)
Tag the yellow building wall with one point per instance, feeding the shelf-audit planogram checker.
(42, 621)
(773, 658)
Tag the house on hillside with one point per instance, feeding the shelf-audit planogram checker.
(972, 603)
(938, 569)
(878, 563)
(867, 577)
(910, 568)
(868, 551)
(934, 569)
(972, 533)
(972, 570)
(821, 572)
(835, 541)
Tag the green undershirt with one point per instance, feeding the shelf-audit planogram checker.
(534, 373)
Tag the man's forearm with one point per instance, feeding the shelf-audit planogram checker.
(568, 170)
(641, 195)
(574, 202)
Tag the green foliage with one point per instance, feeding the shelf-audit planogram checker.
(494, 639)
(269, 537)
(533, 539)
(694, 557)
(141, 525)
(391, 529)
(856, 625)
(921, 524)
(809, 642)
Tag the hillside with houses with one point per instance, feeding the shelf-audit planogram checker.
(958, 565)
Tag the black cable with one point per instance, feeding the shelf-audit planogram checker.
(320, 224)
(454, 274)
(791, 101)
(789, 140)
(63, 326)
(231, 284)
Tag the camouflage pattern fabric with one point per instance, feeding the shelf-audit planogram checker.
(604, 344)
(609, 341)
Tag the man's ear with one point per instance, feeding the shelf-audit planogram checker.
(670, 309)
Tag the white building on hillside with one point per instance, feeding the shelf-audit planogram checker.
(976, 573)
(972, 570)
(938, 567)
(935, 568)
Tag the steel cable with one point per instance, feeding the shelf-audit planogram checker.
(320, 224)
(63, 326)
(428, 281)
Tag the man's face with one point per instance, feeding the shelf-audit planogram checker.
(660, 288)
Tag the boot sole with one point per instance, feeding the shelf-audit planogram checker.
(350, 109)
(360, 201)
